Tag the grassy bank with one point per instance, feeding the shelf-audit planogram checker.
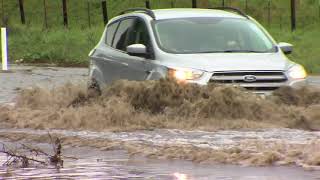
(306, 43)
(58, 46)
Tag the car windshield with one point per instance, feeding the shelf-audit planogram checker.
(212, 35)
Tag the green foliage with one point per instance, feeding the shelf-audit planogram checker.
(59, 46)
(306, 43)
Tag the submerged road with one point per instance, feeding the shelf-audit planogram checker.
(20, 77)
(96, 164)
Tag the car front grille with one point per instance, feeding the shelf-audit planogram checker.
(251, 80)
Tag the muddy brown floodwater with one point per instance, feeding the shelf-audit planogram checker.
(192, 152)
(96, 164)
(20, 77)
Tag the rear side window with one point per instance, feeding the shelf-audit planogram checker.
(111, 30)
(120, 39)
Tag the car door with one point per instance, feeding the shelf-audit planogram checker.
(136, 69)
(103, 67)
(135, 66)
(110, 53)
(113, 60)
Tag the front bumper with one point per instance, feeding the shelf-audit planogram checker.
(297, 83)
(256, 87)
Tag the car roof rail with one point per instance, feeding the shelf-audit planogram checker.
(232, 9)
(144, 10)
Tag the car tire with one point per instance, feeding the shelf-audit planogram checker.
(94, 88)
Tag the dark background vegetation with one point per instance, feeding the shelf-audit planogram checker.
(49, 41)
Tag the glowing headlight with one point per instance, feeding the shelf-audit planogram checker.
(185, 74)
(297, 72)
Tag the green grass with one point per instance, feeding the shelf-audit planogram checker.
(58, 46)
(71, 46)
(306, 46)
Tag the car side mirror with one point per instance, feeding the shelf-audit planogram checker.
(137, 50)
(286, 47)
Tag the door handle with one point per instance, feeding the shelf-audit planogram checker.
(108, 59)
(125, 64)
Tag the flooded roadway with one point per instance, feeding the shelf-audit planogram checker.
(20, 77)
(93, 163)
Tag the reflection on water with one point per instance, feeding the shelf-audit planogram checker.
(180, 176)
(95, 164)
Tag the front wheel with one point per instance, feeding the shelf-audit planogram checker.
(94, 88)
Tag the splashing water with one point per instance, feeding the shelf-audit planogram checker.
(162, 104)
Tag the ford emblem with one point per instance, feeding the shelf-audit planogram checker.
(249, 78)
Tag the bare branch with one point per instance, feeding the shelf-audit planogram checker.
(36, 150)
(21, 157)
(27, 154)
(51, 142)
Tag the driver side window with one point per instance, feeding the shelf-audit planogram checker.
(131, 31)
(140, 34)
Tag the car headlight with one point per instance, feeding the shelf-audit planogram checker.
(184, 74)
(297, 72)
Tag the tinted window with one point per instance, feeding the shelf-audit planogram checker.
(111, 29)
(140, 34)
(120, 39)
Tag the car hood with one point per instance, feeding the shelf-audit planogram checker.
(229, 61)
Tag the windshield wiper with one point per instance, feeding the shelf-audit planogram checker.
(234, 51)
(243, 51)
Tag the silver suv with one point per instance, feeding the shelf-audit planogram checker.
(221, 45)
